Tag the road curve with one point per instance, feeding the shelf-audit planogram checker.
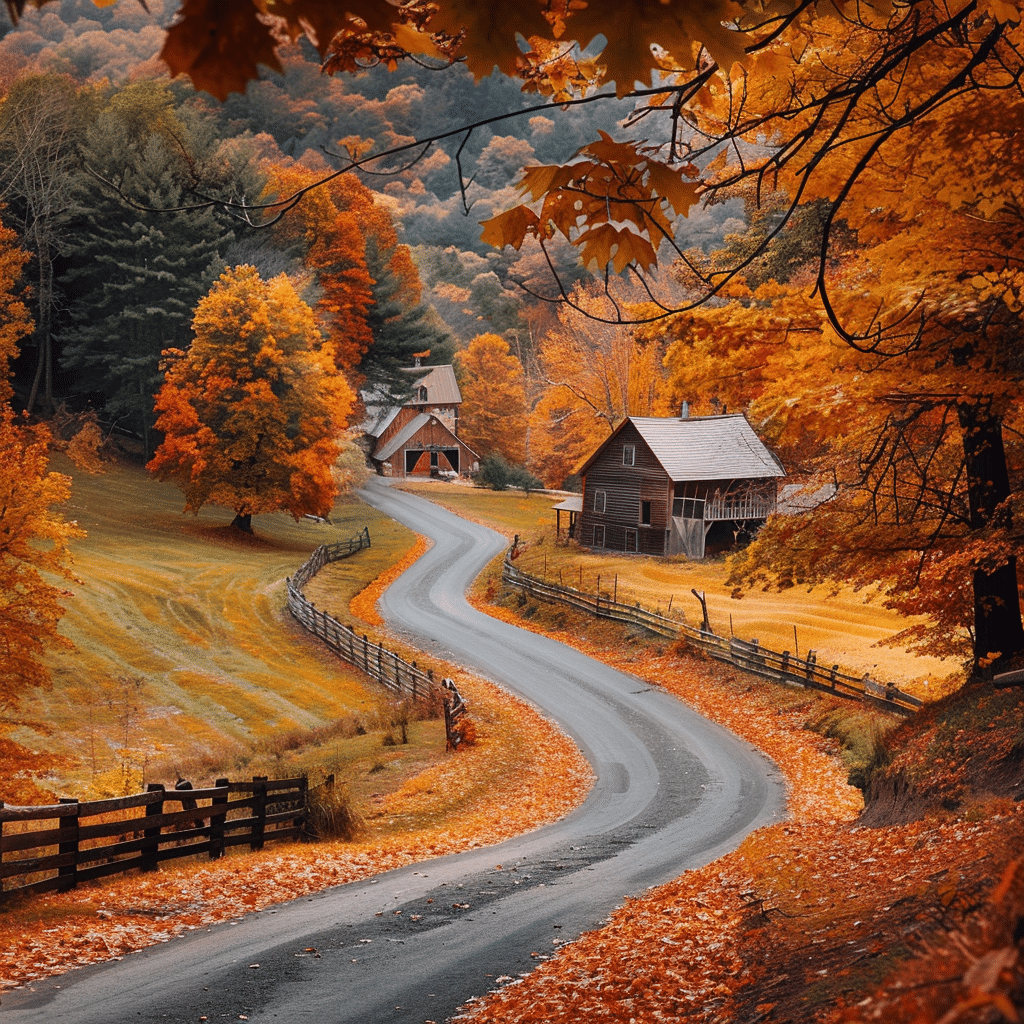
(673, 791)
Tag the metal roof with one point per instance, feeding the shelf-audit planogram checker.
(573, 504)
(704, 447)
(442, 388)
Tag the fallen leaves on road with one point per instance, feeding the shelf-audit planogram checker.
(364, 605)
(790, 925)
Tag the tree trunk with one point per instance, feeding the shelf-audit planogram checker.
(44, 330)
(998, 629)
(243, 522)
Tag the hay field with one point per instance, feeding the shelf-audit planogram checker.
(184, 646)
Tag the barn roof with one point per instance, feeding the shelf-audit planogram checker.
(409, 431)
(703, 447)
(442, 387)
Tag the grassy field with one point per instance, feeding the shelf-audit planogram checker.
(186, 659)
(848, 628)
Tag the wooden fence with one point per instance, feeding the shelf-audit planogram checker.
(373, 659)
(60, 845)
(749, 656)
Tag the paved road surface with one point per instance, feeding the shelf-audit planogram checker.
(673, 792)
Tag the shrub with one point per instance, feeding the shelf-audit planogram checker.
(498, 474)
(330, 814)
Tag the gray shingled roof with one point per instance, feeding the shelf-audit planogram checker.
(708, 447)
(442, 388)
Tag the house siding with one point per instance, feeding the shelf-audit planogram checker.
(626, 488)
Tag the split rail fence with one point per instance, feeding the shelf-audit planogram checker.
(56, 846)
(747, 655)
(372, 659)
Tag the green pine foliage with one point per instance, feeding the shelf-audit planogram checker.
(135, 274)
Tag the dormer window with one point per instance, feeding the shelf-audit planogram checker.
(421, 394)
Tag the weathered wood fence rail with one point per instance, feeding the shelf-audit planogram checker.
(373, 659)
(749, 656)
(54, 847)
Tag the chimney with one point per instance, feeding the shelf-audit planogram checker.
(684, 412)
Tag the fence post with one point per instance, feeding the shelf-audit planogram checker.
(366, 655)
(380, 661)
(785, 663)
(832, 676)
(259, 811)
(68, 875)
(302, 817)
(812, 660)
(217, 820)
(154, 810)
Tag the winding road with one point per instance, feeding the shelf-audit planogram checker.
(673, 791)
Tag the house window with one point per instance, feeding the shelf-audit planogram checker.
(645, 513)
(598, 536)
(628, 454)
(600, 498)
(421, 394)
(631, 544)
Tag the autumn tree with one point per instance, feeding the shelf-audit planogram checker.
(493, 416)
(42, 118)
(254, 411)
(34, 535)
(594, 374)
(329, 228)
(916, 271)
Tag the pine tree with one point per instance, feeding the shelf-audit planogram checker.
(401, 325)
(136, 276)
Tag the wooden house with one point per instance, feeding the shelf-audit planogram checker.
(420, 437)
(665, 486)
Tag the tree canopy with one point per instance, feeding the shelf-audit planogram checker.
(34, 536)
(254, 411)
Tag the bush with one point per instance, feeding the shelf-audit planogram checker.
(330, 814)
(498, 474)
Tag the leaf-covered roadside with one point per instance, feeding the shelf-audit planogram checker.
(521, 773)
(815, 919)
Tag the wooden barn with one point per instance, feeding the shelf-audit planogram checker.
(677, 485)
(421, 437)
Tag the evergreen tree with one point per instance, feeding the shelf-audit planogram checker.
(401, 325)
(136, 276)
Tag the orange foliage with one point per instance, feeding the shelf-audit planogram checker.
(594, 374)
(493, 417)
(331, 222)
(253, 412)
(34, 537)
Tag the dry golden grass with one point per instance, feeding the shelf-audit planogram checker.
(847, 628)
(196, 613)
